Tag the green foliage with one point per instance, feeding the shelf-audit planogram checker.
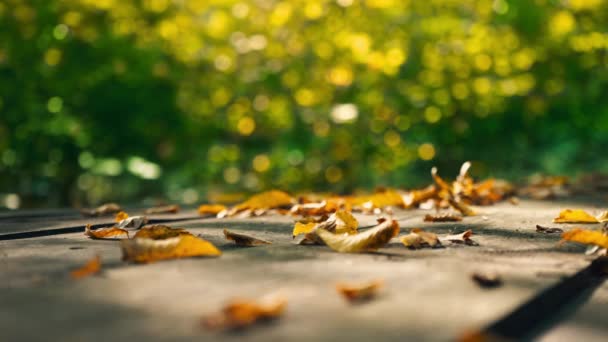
(130, 99)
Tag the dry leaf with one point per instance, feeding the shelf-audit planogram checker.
(548, 230)
(133, 222)
(266, 200)
(160, 232)
(603, 216)
(166, 209)
(462, 207)
(418, 238)
(339, 222)
(121, 216)
(303, 228)
(211, 209)
(514, 200)
(108, 208)
(93, 266)
(442, 218)
(104, 233)
(574, 216)
(241, 313)
(464, 237)
(244, 240)
(588, 237)
(415, 197)
(487, 280)
(143, 250)
(360, 292)
(380, 199)
(369, 240)
(315, 209)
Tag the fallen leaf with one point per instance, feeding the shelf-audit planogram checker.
(266, 200)
(588, 237)
(315, 209)
(574, 216)
(144, 250)
(514, 200)
(442, 218)
(303, 228)
(166, 209)
(415, 197)
(487, 280)
(211, 209)
(108, 208)
(380, 199)
(160, 232)
(120, 216)
(369, 240)
(360, 292)
(462, 207)
(548, 230)
(418, 238)
(603, 216)
(244, 239)
(340, 222)
(93, 266)
(104, 233)
(241, 313)
(133, 222)
(464, 237)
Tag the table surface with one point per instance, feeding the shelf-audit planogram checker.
(428, 293)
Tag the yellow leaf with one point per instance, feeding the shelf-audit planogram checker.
(588, 237)
(340, 222)
(144, 250)
(603, 217)
(93, 266)
(121, 216)
(369, 240)
(166, 209)
(160, 232)
(244, 240)
(345, 222)
(303, 228)
(104, 233)
(385, 198)
(418, 238)
(210, 209)
(359, 292)
(241, 313)
(574, 216)
(442, 218)
(266, 200)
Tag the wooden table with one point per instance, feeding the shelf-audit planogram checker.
(428, 294)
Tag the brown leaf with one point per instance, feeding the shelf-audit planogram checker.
(588, 237)
(144, 250)
(241, 313)
(360, 292)
(93, 266)
(464, 237)
(104, 233)
(574, 216)
(106, 209)
(418, 238)
(160, 232)
(487, 280)
(442, 218)
(462, 207)
(369, 240)
(165, 209)
(211, 209)
(548, 230)
(244, 239)
(415, 197)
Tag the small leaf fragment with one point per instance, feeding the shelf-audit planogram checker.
(165, 209)
(464, 237)
(548, 230)
(574, 216)
(241, 313)
(244, 239)
(369, 240)
(418, 238)
(105, 209)
(487, 280)
(462, 207)
(104, 233)
(449, 217)
(92, 267)
(360, 292)
(211, 209)
(133, 222)
(588, 237)
(160, 232)
(144, 250)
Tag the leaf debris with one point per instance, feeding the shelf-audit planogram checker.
(369, 240)
(145, 250)
(105, 209)
(92, 267)
(244, 239)
(360, 292)
(104, 233)
(548, 230)
(242, 313)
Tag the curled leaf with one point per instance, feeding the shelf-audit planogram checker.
(120, 216)
(360, 292)
(418, 238)
(93, 266)
(588, 237)
(160, 232)
(104, 233)
(244, 239)
(315, 209)
(133, 222)
(548, 230)
(462, 207)
(143, 250)
(415, 197)
(211, 209)
(241, 313)
(574, 216)
(340, 222)
(105, 209)
(442, 218)
(603, 216)
(165, 209)
(464, 237)
(369, 240)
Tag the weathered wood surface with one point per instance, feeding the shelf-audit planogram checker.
(428, 295)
